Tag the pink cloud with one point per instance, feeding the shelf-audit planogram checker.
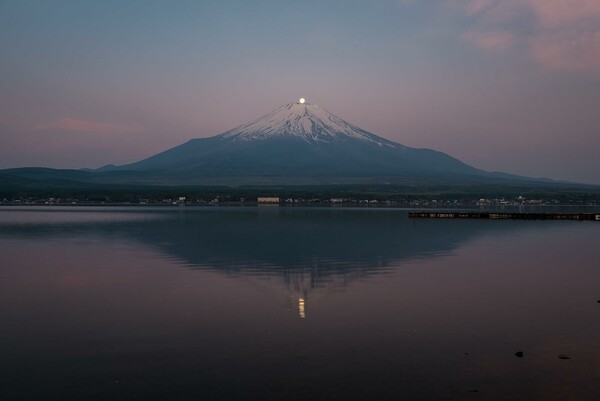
(476, 6)
(490, 41)
(90, 127)
(552, 13)
(557, 34)
(491, 11)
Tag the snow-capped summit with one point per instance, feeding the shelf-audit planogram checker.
(303, 120)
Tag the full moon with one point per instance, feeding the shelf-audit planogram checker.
(302, 100)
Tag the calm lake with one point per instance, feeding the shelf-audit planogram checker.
(268, 303)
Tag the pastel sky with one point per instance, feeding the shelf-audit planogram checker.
(504, 85)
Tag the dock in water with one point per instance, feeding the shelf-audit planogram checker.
(503, 216)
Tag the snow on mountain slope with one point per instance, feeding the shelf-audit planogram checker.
(306, 121)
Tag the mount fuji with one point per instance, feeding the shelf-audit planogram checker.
(296, 143)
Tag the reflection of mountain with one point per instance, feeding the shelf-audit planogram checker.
(305, 248)
(277, 240)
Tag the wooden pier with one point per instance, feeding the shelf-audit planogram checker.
(503, 216)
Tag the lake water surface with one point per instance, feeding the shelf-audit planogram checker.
(267, 303)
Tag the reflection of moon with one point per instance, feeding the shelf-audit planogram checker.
(302, 100)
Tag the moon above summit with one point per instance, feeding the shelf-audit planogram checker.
(302, 100)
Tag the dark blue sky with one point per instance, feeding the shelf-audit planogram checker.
(511, 85)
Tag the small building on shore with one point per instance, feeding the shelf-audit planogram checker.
(268, 200)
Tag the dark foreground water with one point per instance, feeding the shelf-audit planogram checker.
(295, 304)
